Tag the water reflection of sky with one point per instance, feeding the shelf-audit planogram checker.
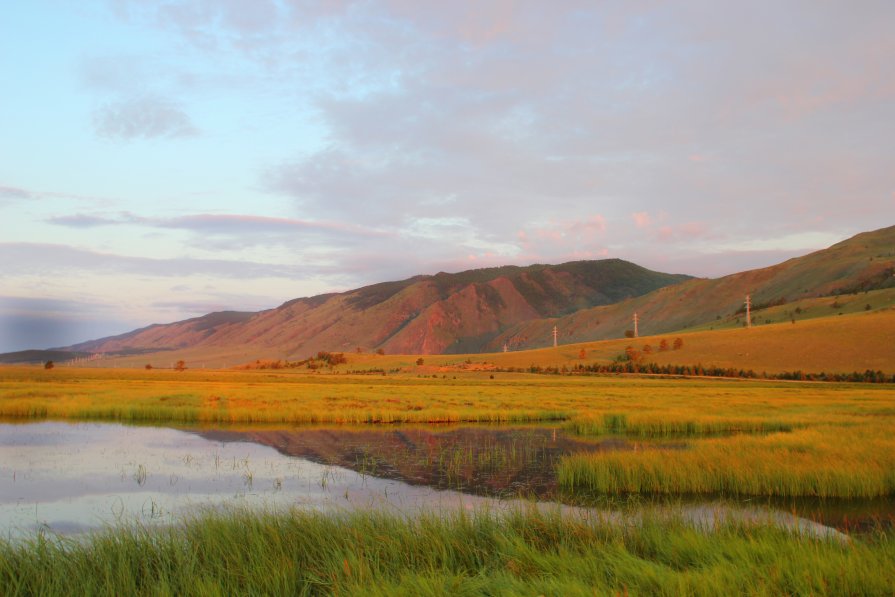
(75, 477)
(71, 477)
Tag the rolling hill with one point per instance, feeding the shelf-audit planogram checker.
(481, 310)
(444, 313)
(862, 263)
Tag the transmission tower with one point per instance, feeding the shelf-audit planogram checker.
(555, 334)
(636, 320)
(505, 347)
(748, 311)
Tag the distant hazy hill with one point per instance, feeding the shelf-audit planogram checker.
(444, 313)
(863, 262)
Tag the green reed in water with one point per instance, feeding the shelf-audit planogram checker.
(380, 554)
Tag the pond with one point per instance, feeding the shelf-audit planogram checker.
(75, 477)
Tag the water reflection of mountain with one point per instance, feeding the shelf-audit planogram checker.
(509, 462)
(492, 461)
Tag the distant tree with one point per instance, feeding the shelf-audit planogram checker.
(148, 366)
(647, 349)
(663, 345)
(678, 343)
(867, 307)
(629, 333)
(420, 361)
(180, 365)
(632, 354)
(49, 365)
(380, 351)
(358, 350)
(582, 354)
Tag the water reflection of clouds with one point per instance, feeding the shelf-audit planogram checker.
(74, 477)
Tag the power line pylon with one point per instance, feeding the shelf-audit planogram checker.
(636, 320)
(555, 334)
(748, 311)
(505, 347)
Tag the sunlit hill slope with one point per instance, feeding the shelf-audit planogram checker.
(444, 313)
(863, 262)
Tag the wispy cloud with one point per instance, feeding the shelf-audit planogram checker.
(143, 117)
(14, 193)
(47, 259)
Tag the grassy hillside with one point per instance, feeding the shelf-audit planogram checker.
(864, 262)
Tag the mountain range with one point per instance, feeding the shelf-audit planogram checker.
(482, 310)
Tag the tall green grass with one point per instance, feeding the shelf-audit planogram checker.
(827, 461)
(378, 554)
(671, 426)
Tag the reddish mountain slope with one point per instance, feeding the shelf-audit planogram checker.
(422, 315)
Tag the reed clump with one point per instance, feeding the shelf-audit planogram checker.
(657, 426)
(375, 553)
(827, 461)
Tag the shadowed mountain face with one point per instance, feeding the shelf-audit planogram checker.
(863, 262)
(444, 313)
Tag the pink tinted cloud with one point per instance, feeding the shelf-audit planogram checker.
(684, 232)
(564, 240)
(641, 219)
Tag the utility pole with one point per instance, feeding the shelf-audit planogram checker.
(748, 311)
(555, 333)
(636, 319)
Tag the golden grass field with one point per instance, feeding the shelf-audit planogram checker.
(824, 439)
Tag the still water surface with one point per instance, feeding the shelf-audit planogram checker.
(75, 477)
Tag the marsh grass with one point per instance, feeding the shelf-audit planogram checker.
(744, 438)
(525, 552)
(827, 461)
(666, 426)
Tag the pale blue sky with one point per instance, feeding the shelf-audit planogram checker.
(159, 160)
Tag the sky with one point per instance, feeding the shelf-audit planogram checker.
(160, 160)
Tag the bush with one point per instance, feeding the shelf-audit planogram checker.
(678, 343)
(420, 361)
(49, 365)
